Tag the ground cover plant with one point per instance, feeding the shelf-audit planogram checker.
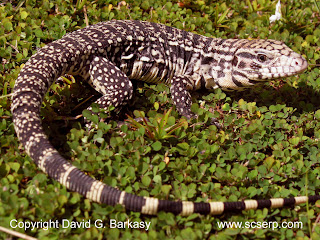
(268, 146)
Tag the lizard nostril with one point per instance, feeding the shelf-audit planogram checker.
(296, 62)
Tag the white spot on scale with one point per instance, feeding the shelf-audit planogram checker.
(265, 70)
(154, 52)
(173, 43)
(273, 70)
(279, 69)
(276, 75)
(127, 57)
(216, 207)
(64, 176)
(276, 202)
(302, 199)
(95, 191)
(250, 204)
(150, 207)
(187, 208)
(121, 198)
(145, 59)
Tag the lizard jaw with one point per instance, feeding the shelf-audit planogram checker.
(284, 66)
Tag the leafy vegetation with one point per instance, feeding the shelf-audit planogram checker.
(268, 147)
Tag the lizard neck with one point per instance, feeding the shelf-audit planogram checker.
(216, 64)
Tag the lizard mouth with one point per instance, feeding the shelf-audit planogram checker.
(292, 66)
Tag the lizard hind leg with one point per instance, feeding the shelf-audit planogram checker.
(111, 82)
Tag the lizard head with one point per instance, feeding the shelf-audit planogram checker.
(262, 60)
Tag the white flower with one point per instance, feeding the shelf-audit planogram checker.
(277, 14)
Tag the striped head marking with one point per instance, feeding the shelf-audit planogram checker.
(262, 60)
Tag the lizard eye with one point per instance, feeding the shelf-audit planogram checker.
(262, 57)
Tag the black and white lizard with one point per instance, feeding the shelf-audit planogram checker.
(107, 55)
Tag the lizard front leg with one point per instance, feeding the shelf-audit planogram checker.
(180, 87)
